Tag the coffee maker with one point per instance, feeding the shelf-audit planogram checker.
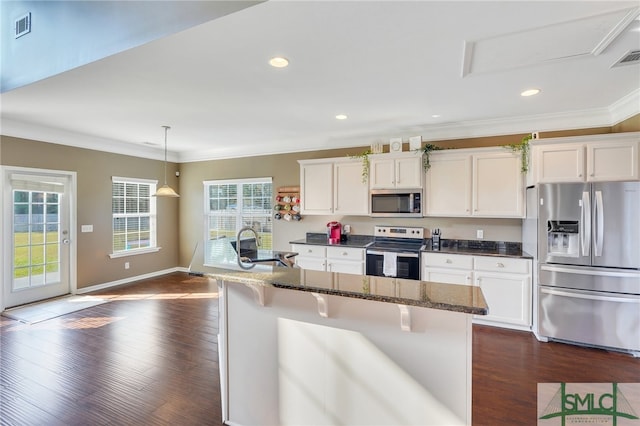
(334, 232)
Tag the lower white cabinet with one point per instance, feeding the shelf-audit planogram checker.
(505, 283)
(348, 260)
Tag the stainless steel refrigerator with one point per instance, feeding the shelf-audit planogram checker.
(589, 264)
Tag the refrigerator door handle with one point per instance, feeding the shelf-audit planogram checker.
(569, 270)
(590, 297)
(599, 220)
(585, 225)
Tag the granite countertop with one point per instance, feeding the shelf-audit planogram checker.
(320, 239)
(469, 247)
(425, 294)
(479, 248)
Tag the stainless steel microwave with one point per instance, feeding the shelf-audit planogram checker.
(396, 202)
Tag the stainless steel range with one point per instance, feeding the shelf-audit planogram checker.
(395, 252)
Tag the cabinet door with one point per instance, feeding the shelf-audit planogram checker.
(448, 185)
(345, 266)
(447, 276)
(610, 161)
(382, 173)
(508, 297)
(498, 185)
(311, 263)
(408, 172)
(316, 188)
(559, 163)
(350, 193)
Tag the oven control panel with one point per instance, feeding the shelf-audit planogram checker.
(398, 232)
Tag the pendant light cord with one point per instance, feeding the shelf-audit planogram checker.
(166, 129)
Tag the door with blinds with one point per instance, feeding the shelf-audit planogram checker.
(37, 234)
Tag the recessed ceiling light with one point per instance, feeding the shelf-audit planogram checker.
(530, 92)
(436, 116)
(341, 117)
(278, 62)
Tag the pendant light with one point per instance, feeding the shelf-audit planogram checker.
(165, 190)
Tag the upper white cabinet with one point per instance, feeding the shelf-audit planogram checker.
(333, 186)
(399, 170)
(475, 182)
(316, 188)
(597, 158)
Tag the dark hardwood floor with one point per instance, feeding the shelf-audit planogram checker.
(149, 358)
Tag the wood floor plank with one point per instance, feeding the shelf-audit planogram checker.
(149, 357)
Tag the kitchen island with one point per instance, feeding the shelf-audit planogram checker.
(302, 347)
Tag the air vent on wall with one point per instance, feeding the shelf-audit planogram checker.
(629, 58)
(23, 25)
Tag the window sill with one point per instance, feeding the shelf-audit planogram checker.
(134, 252)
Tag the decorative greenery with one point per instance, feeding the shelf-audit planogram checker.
(522, 148)
(365, 164)
(426, 152)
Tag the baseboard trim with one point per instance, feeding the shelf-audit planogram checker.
(129, 280)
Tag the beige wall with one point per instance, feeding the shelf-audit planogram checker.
(94, 170)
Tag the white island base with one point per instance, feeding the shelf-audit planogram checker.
(292, 357)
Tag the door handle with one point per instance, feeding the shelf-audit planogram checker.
(65, 241)
(599, 237)
(585, 225)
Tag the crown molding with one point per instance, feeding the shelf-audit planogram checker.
(37, 132)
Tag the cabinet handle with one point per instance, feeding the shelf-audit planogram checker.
(500, 265)
(344, 253)
(579, 174)
(309, 251)
(449, 261)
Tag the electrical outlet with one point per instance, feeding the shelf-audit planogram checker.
(126, 265)
(479, 234)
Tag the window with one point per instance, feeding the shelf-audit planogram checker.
(231, 205)
(134, 216)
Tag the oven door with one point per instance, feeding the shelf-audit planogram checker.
(407, 264)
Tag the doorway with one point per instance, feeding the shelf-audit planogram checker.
(38, 222)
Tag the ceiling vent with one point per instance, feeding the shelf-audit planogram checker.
(23, 25)
(629, 58)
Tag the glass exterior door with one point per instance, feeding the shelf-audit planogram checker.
(40, 242)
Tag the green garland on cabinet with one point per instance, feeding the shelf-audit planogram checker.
(426, 152)
(365, 164)
(522, 148)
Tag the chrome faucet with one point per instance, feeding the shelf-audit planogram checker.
(240, 258)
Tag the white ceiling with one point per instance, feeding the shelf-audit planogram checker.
(389, 65)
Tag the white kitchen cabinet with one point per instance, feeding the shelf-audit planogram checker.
(597, 158)
(333, 186)
(448, 185)
(350, 192)
(483, 182)
(506, 284)
(608, 161)
(447, 268)
(316, 188)
(401, 170)
(508, 297)
(348, 260)
(498, 185)
(559, 163)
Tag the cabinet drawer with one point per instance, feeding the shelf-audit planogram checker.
(502, 264)
(345, 253)
(444, 260)
(306, 250)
